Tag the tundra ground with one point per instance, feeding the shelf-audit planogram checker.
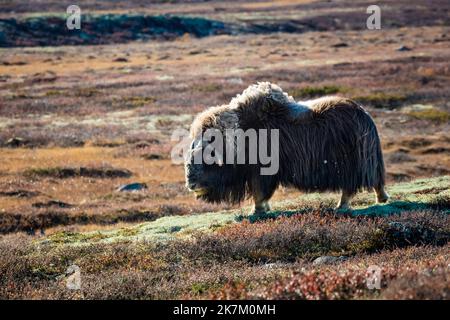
(77, 122)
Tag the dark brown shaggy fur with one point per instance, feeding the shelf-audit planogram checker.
(328, 144)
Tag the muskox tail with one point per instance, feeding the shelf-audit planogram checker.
(371, 163)
(353, 145)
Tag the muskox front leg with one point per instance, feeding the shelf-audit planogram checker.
(382, 195)
(344, 203)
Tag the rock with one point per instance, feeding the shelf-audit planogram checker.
(153, 156)
(104, 172)
(15, 142)
(14, 63)
(19, 193)
(340, 45)
(194, 52)
(404, 48)
(68, 172)
(51, 203)
(120, 59)
(235, 81)
(132, 187)
(328, 260)
(274, 265)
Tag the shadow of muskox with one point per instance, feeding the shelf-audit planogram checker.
(378, 210)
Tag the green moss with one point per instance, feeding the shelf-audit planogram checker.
(46, 271)
(52, 93)
(86, 92)
(208, 87)
(170, 229)
(316, 91)
(428, 186)
(373, 243)
(395, 207)
(128, 232)
(136, 101)
(433, 114)
(63, 237)
(382, 100)
(199, 288)
(20, 95)
(41, 172)
(272, 215)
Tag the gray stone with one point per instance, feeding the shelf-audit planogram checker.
(132, 187)
(404, 48)
(340, 45)
(328, 260)
(15, 142)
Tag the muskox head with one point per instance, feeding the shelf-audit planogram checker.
(248, 134)
(208, 174)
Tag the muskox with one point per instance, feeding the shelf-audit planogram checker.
(327, 144)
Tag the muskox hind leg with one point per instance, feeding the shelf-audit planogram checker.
(382, 196)
(344, 203)
(261, 207)
(262, 191)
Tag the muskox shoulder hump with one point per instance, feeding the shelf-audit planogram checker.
(267, 101)
(260, 96)
(324, 103)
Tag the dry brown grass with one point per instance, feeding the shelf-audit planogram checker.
(209, 268)
(311, 235)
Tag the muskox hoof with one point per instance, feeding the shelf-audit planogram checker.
(259, 212)
(382, 197)
(261, 209)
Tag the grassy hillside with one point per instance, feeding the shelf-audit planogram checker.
(232, 255)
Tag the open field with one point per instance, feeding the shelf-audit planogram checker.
(227, 254)
(82, 115)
